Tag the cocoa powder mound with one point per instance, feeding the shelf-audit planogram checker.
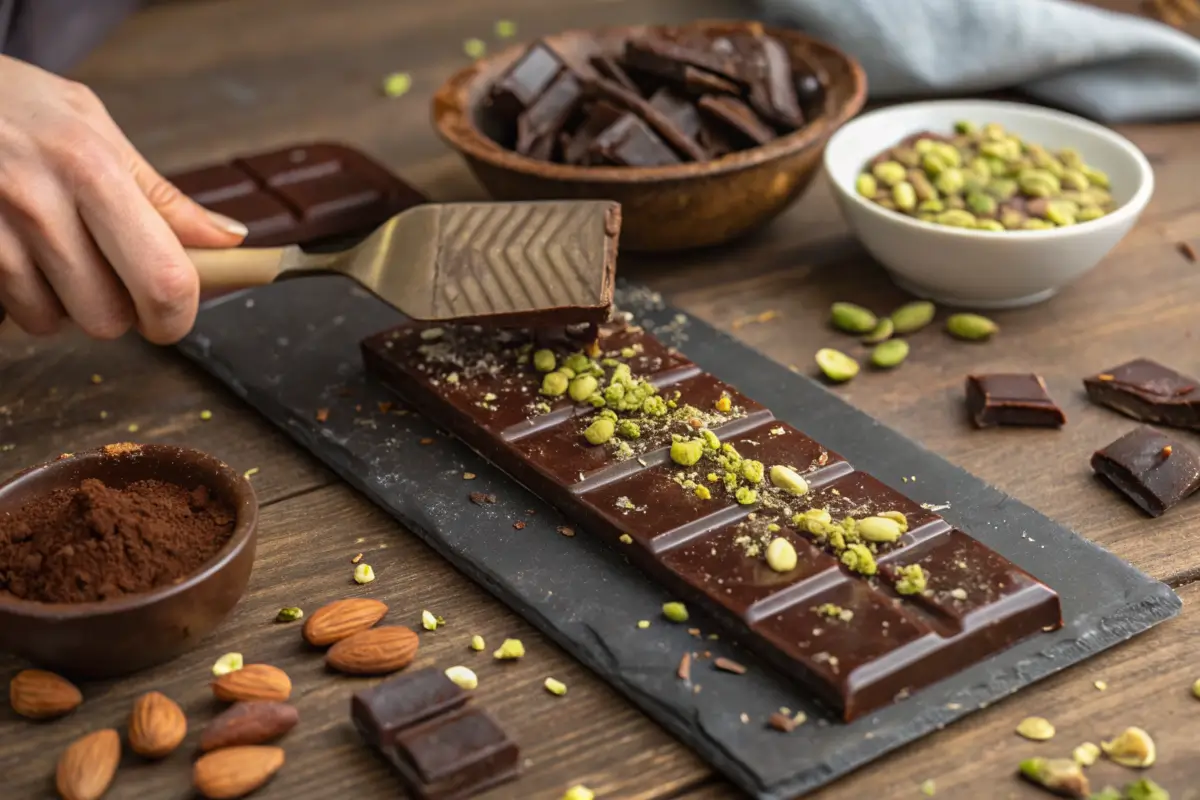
(99, 543)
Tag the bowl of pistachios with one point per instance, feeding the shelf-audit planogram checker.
(986, 204)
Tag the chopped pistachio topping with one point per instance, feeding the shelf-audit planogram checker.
(928, 788)
(746, 496)
(599, 431)
(858, 558)
(579, 792)
(363, 574)
(1037, 729)
(1061, 775)
(703, 493)
(911, 579)
(835, 612)
(643, 623)
(475, 48)
(477, 643)
(428, 621)
(1086, 754)
(555, 384)
(752, 470)
(781, 555)
(582, 387)
(675, 612)
(510, 649)
(290, 614)
(555, 687)
(687, 452)
(463, 677)
(723, 404)
(1132, 748)
(625, 538)
(230, 662)
(397, 84)
(628, 429)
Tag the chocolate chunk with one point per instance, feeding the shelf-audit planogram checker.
(598, 117)
(300, 194)
(737, 119)
(669, 60)
(524, 82)
(678, 109)
(380, 712)
(609, 68)
(772, 88)
(629, 142)
(453, 756)
(1153, 470)
(833, 623)
(1012, 399)
(539, 125)
(677, 139)
(1149, 392)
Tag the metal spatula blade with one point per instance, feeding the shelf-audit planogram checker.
(497, 263)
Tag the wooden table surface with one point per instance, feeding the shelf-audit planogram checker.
(195, 82)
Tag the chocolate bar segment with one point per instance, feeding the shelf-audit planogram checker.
(696, 507)
(300, 194)
(1153, 470)
(453, 756)
(383, 710)
(1012, 399)
(1148, 392)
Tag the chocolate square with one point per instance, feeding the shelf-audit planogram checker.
(1012, 399)
(383, 710)
(453, 756)
(1152, 469)
(1148, 392)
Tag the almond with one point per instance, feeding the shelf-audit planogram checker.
(376, 651)
(235, 771)
(38, 694)
(253, 682)
(87, 766)
(248, 723)
(156, 726)
(342, 618)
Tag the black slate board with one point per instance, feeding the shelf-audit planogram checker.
(292, 348)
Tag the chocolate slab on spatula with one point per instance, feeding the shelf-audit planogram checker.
(529, 264)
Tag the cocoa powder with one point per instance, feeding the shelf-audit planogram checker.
(98, 543)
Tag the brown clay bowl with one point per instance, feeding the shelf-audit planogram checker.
(110, 638)
(675, 207)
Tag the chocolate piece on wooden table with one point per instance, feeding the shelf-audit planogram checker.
(832, 623)
(524, 81)
(1152, 469)
(629, 142)
(684, 147)
(456, 755)
(1012, 399)
(539, 125)
(381, 711)
(300, 194)
(737, 119)
(1149, 392)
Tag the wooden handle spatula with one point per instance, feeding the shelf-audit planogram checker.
(529, 263)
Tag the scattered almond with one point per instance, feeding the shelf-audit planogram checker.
(253, 682)
(376, 651)
(87, 766)
(248, 723)
(38, 694)
(342, 618)
(156, 726)
(235, 771)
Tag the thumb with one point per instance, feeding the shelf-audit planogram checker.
(195, 225)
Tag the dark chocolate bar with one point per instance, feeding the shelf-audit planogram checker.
(456, 755)
(300, 194)
(736, 118)
(1153, 470)
(1012, 399)
(1148, 392)
(868, 611)
(383, 710)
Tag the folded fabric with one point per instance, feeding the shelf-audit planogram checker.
(1101, 64)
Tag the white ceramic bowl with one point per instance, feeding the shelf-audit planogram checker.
(986, 269)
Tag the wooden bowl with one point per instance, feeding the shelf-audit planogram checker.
(110, 638)
(674, 207)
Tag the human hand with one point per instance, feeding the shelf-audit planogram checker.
(89, 231)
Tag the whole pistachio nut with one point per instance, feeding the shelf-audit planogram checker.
(675, 612)
(956, 218)
(582, 388)
(881, 333)
(477, 643)
(971, 327)
(1037, 729)
(896, 517)
(852, 318)
(788, 479)
(599, 431)
(462, 677)
(230, 662)
(290, 614)
(990, 225)
(889, 172)
(836, 365)
(544, 361)
(555, 687)
(889, 354)
(912, 317)
(1132, 748)
(879, 529)
(555, 384)
(904, 196)
(866, 185)
(1060, 775)
(781, 555)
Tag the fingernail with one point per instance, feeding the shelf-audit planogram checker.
(228, 224)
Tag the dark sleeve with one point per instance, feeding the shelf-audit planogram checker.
(57, 34)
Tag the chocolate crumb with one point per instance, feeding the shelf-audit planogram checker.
(694, 632)
(479, 498)
(519, 525)
(426, 440)
(384, 407)
(468, 476)
(322, 414)
(729, 666)
(566, 531)
(1189, 252)
(781, 722)
(685, 667)
(356, 559)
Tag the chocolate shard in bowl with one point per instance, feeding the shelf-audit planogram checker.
(683, 146)
(677, 108)
(597, 118)
(1152, 469)
(737, 119)
(538, 126)
(608, 66)
(629, 142)
(1148, 392)
(668, 59)
(523, 83)
(1012, 399)
(772, 83)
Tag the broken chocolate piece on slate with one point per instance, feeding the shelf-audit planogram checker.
(1148, 392)
(1152, 469)
(524, 82)
(736, 118)
(456, 755)
(380, 712)
(539, 125)
(708, 551)
(300, 194)
(1012, 399)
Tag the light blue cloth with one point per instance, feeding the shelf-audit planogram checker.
(1104, 65)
